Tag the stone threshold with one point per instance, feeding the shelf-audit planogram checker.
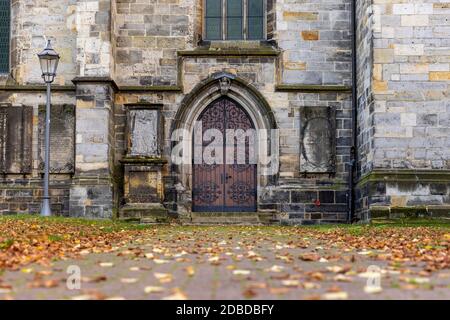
(229, 218)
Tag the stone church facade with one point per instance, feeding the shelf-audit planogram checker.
(136, 75)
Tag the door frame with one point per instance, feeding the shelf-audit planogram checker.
(207, 91)
(255, 182)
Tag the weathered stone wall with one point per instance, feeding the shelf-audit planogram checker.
(91, 193)
(309, 197)
(147, 48)
(21, 192)
(315, 37)
(148, 34)
(93, 39)
(31, 23)
(81, 33)
(153, 51)
(405, 101)
(364, 40)
(411, 79)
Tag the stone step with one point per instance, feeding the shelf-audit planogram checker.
(151, 213)
(235, 218)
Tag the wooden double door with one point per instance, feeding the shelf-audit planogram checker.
(228, 185)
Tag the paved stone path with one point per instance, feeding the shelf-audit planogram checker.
(224, 266)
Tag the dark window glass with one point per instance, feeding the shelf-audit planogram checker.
(255, 19)
(234, 19)
(213, 19)
(224, 19)
(4, 35)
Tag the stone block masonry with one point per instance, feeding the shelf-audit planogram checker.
(404, 101)
(21, 183)
(91, 193)
(124, 55)
(315, 39)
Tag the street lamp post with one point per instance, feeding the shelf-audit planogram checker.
(48, 59)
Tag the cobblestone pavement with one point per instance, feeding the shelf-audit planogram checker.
(228, 263)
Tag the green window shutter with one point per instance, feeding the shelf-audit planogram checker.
(234, 19)
(213, 20)
(5, 10)
(255, 18)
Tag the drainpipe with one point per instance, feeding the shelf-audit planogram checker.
(353, 151)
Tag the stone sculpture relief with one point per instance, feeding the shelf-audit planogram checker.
(143, 133)
(317, 140)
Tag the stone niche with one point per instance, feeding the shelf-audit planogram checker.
(62, 138)
(317, 140)
(143, 165)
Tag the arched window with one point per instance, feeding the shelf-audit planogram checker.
(234, 19)
(5, 13)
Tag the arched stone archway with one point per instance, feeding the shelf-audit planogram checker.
(217, 86)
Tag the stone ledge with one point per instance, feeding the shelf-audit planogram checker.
(95, 80)
(34, 88)
(125, 89)
(312, 88)
(257, 52)
(441, 211)
(143, 160)
(405, 175)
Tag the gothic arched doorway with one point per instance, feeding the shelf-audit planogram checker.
(224, 166)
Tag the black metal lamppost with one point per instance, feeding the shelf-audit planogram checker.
(48, 59)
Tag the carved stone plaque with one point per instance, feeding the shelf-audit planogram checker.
(16, 124)
(143, 132)
(62, 136)
(317, 139)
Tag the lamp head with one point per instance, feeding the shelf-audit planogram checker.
(48, 59)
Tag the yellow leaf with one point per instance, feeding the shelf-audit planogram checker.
(106, 264)
(190, 271)
(372, 289)
(163, 277)
(290, 283)
(177, 295)
(342, 295)
(160, 261)
(241, 272)
(128, 280)
(153, 289)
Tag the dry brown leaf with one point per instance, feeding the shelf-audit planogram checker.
(311, 256)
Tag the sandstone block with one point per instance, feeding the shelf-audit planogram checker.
(408, 119)
(310, 35)
(293, 15)
(409, 49)
(439, 76)
(383, 55)
(403, 8)
(415, 21)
